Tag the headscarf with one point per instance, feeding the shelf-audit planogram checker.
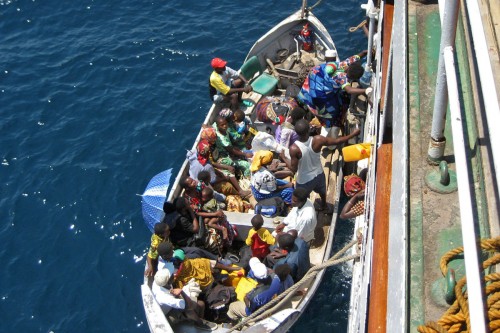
(353, 184)
(208, 134)
(226, 113)
(203, 149)
(331, 68)
(262, 157)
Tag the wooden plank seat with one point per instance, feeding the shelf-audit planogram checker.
(243, 223)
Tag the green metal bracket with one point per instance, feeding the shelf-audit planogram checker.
(450, 286)
(443, 180)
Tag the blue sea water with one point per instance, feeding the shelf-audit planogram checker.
(96, 97)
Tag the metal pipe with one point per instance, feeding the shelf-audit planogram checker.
(372, 13)
(448, 30)
(490, 97)
(371, 32)
(297, 54)
(303, 8)
(472, 267)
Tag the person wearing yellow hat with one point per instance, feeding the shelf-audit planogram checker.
(264, 183)
(226, 84)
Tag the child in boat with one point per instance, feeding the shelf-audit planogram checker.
(285, 133)
(259, 239)
(224, 180)
(242, 124)
(204, 177)
(237, 138)
(214, 217)
(161, 234)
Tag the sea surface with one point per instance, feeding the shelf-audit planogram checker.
(96, 97)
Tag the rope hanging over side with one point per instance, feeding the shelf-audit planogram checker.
(457, 318)
(352, 29)
(269, 308)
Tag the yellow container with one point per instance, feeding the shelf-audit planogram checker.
(233, 277)
(245, 285)
(356, 152)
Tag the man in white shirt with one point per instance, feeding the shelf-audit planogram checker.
(170, 298)
(165, 295)
(302, 217)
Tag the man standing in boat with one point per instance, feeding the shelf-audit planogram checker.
(226, 84)
(305, 159)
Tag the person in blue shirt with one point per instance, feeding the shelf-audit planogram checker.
(282, 280)
(295, 253)
(262, 294)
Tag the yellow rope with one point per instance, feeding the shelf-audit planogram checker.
(456, 319)
(352, 29)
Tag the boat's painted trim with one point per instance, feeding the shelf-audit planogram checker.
(157, 321)
(397, 314)
(379, 272)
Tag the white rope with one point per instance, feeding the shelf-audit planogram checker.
(271, 307)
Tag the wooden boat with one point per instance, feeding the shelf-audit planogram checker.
(282, 49)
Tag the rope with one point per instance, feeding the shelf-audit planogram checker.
(269, 308)
(314, 6)
(352, 29)
(456, 319)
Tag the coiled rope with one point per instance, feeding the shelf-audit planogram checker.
(456, 318)
(282, 298)
(352, 29)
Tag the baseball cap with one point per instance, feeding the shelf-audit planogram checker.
(218, 63)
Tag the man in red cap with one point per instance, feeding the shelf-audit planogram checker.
(226, 84)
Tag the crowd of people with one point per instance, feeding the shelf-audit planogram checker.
(187, 258)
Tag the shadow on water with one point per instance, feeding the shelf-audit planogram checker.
(332, 298)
